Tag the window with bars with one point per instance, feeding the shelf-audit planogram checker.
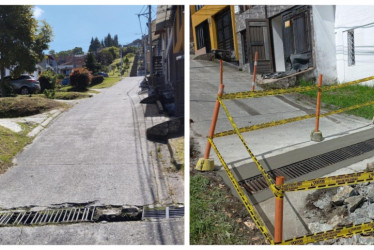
(351, 47)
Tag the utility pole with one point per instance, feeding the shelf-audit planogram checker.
(145, 54)
(150, 40)
(121, 60)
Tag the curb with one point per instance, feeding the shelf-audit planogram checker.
(177, 163)
(44, 124)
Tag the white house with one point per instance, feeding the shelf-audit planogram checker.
(354, 36)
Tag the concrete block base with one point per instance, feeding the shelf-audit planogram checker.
(316, 136)
(205, 164)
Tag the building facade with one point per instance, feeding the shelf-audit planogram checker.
(213, 29)
(289, 39)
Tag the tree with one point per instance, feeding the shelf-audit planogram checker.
(22, 40)
(91, 63)
(95, 45)
(115, 41)
(77, 51)
(104, 57)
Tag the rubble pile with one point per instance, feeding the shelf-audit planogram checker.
(342, 206)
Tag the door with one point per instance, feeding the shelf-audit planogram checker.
(225, 40)
(258, 40)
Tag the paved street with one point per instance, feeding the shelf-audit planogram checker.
(97, 153)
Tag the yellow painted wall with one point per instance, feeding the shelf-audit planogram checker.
(207, 12)
(178, 45)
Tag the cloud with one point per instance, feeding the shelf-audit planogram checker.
(38, 12)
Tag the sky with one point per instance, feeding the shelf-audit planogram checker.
(75, 25)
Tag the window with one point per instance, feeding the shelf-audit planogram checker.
(197, 7)
(351, 47)
(200, 36)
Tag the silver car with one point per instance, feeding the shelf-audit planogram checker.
(25, 84)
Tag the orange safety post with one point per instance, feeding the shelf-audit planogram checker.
(316, 135)
(254, 71)
(215, 113)
(207, 164)
(318, 102)
(278, 224)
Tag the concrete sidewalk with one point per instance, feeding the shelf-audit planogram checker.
(267, 142)
(246, 112)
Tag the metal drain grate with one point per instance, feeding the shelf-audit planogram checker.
(50, 216)
(164, 213)
(257, 183)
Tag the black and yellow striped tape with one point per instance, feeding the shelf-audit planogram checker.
(329, 182)
(262, 93)
(267, 177)
(251, 210)
(331, 234)
(289, 120)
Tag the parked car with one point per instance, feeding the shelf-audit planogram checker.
(65, 81)
(25, 84)
(103, 74)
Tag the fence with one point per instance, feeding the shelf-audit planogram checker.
(278, 188)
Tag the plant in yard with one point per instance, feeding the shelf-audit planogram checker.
(97, 80)
(80, 78)
(47, 80)
(22, 40)
(91, 63)
(49, 93)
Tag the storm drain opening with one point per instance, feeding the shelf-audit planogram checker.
(22, 217)
(163, 213)
(49, 216)
(257, 183)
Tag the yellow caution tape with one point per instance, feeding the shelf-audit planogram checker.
(329, 182)
(267, 177)
(289, 120)
(251, 210)
(331, 234)
(262, 93)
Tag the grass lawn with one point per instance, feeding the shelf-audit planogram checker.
(346, 97)
(24, 106)
(10, 144)
(108, 82)
(218, 218)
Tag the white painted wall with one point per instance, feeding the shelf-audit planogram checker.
(324, 40)
(361, 19)
(276, 24)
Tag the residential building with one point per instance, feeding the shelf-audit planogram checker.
(213, 30)
(49, 62)
(168, 55)
(68, 63)
(289, 40)
(354, 35)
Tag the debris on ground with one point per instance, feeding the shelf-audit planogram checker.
(339, 207)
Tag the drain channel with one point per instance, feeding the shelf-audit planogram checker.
(257, 183)
(168, 212)
(49, 216)
(23, 217)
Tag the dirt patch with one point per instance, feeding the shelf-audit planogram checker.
(25, 106)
